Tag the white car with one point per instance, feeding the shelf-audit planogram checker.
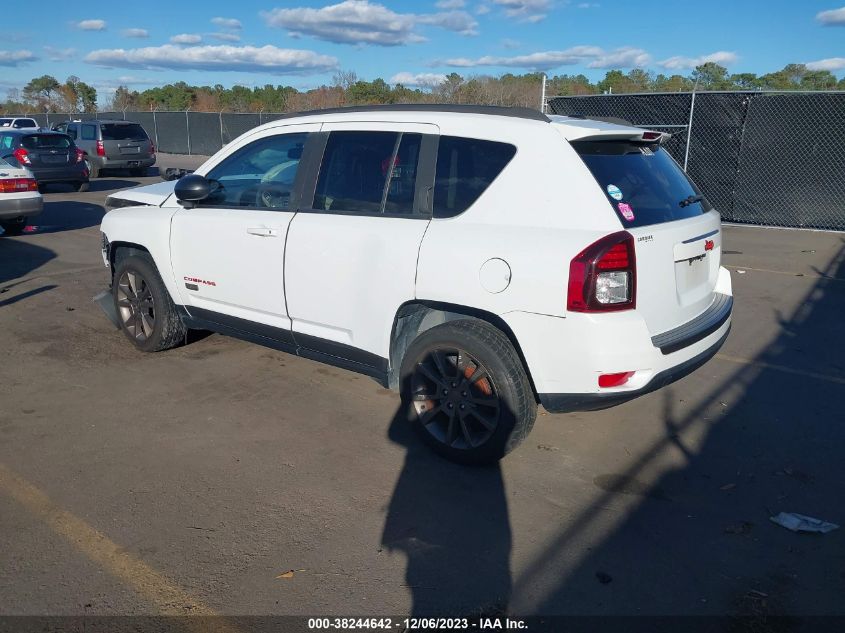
(19, 197)
(19, 123)
(477, 259)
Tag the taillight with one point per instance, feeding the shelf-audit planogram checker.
(22, 156)
(101, 151)
(152, 148)
(614, 380)
(80, 155)
(17, 185)
(603, 277)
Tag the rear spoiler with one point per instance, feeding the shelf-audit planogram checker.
(645, 136)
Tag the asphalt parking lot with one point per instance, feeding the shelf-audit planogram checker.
(222, 477)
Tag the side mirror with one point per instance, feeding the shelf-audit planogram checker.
(191, 189)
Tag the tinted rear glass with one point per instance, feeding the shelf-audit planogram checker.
(465, 168)
(5, 122)
(37, 141)
(641, 181)
(122, 132)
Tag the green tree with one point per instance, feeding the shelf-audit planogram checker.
(711, 76)
(41, 92)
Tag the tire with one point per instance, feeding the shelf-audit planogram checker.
(467, 366)
(13, 228)
(81, 186)
(93, 170)
(144, 308)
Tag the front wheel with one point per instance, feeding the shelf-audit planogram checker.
(93, 170)
(144, 308)
(466, 392)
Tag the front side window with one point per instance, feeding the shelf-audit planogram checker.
(89, 132)
(261, 174)
(368, 172)
(465, 168)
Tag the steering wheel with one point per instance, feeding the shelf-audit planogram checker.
(266, 194)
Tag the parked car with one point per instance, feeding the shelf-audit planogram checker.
(19, 123)
(20, 200)
(112, 144)
(479, 260)
(51, 156)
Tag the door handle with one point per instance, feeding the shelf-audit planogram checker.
(263, 231)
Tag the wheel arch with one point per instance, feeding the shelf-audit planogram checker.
(125, 249)
(416, 316)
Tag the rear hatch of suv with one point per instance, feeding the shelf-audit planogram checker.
(677, 234)
(46, 152)
(125, 141)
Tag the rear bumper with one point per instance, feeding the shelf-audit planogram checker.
(566, 402)
(124, 162)
(566, 355)
(21, 207)
(69, 173)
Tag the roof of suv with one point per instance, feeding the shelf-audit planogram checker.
(521, 113)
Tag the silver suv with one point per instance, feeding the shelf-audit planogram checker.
(112, 144)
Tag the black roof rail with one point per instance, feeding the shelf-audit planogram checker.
(520, 113)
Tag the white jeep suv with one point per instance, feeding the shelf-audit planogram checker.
(477, 259)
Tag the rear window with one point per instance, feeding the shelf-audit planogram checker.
(122, 132)
(465, 168)
(37, 141)
(642, 182)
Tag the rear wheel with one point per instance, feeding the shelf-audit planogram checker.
(144, 308)
(466, 392)
(93, 170)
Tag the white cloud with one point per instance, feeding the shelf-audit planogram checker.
(525, 10)
(458, 21)
(269, 59)
(227, 23)
(591, 56)
(186, 38)
(59, 54)
(679, 62)
(91, 25)
(418, 80)
(831, 63)
(832, 17)
(15, 58)
(364, 22)
(510, 43)
(450, 4)
(482, 9)
(225, 37)
(626, 57)
(139, 33)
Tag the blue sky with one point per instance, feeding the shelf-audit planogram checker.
(302, 43)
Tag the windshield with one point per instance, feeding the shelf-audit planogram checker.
(123, 132)
(641, 181)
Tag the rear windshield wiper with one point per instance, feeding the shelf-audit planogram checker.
(690, 200)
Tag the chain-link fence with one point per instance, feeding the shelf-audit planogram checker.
(177, 132)
(776, 159)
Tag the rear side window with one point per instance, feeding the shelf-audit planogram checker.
(6, 141)
(25, 123)
(368, 172)
(89, 132)
(5, 122)
(37, 141)
(123, 132)
(465, 168)
(642, 182)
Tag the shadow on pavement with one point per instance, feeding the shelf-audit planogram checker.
(98, 184)
(66, 215)
(698, 539)
(19, 258)
(451, 522)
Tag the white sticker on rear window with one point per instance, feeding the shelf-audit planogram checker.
(614, 192)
